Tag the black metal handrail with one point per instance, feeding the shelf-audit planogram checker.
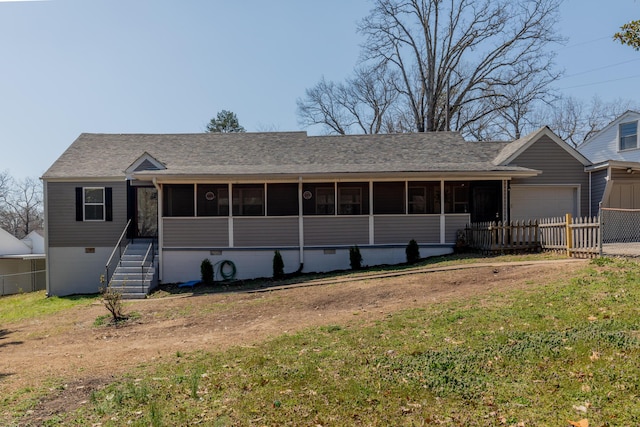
(117, 248)
(150, 249)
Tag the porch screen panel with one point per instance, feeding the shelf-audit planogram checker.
(213, 199)
(401, 229)
(178, 200)
(388, 198)
(424, 197)
(353, 198)
(318, 199)
(248, 200)
(456, 197)
(282, 199)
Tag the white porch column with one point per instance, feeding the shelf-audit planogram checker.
(443, 220)
(300, 221)
(230, 216)
(371, 220)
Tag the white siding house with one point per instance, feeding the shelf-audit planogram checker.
(614, 153)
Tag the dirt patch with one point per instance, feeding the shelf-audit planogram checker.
(70, 348)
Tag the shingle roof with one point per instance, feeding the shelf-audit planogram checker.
(109, 155)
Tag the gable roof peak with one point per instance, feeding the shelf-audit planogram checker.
(513, 150)
(613, 122)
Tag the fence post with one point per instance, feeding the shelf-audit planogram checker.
(569, 234)
(600, 231)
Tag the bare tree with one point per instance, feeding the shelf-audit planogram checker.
(5, 186)
(449, 64)
(21, 210)
(453, 54)
(362, 103)
(575, 121)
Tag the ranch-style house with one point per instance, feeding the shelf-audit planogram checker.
(238, 197)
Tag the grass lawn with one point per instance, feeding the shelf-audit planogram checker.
(32, 305)
(542, 357)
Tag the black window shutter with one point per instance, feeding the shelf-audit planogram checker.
(108, 204)
(79, 207)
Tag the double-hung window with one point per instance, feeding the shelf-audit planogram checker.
(94, 204)
(628, 135)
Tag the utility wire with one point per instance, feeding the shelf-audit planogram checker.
(585, 42)
(598, 69)
(601, 82)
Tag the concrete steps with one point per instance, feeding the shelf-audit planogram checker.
(131, 279)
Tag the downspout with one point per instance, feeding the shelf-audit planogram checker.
(45, 201)
(443, 223)
(300, 226)
(590, 210)
(160, 228)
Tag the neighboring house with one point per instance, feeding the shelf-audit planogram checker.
(22, 263)
(615, 171)
(35, 241)
(240, 197)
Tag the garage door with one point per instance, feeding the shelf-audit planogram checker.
(542, 202)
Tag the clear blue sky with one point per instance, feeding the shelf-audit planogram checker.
(168, 66)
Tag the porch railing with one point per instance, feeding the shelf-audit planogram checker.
(118, 249)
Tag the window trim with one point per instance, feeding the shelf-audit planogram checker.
(85, 204)
(635, 135)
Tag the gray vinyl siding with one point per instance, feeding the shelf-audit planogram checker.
(265, 231)
(65, 231)
(196, 232)
(558, 167)
(453, 223)
(401, 229)
(336, 230)
(598, 184)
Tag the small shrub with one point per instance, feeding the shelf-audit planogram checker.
(413, 252)
(100, 320)
(355, 258)
(112, 300)
(278, 266)
(206, 272)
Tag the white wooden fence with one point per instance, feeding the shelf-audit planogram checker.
(578, 237)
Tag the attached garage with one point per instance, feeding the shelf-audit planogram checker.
(530, 202)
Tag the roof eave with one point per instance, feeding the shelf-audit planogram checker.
(612, 164)
(81, 179)
(459, 175)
